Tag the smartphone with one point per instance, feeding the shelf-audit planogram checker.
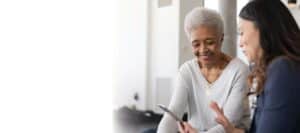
(165, 109)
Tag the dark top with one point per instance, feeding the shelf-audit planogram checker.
(278, 106)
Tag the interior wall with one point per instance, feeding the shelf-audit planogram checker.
(163, 52)
(130, 69)
(296, 13)
(169, 49)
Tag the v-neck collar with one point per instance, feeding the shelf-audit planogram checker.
(220, 76)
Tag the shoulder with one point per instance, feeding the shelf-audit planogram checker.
(282, 80)
(280, 64)
(282, 73)
(239, 66)
(188, 66)
(187, 72)
(239, 63)
(279, 61)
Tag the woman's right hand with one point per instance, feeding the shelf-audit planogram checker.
(185, 127)
(221, 119)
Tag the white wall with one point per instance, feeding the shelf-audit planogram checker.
(130, 69)
(163, 52)
(169, 49)
(296, 13)
(148, 53)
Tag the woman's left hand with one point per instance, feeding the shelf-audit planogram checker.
(221, 119)
(185, 127)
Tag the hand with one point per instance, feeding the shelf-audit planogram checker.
(186, 128)
(221, 119)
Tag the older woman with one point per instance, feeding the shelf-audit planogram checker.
(274, 49)
(211, 76)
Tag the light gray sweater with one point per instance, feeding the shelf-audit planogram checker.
(194, 93)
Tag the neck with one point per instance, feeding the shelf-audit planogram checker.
(209, 66)
(220, 63)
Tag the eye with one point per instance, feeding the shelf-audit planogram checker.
(195, 45)
(240, 33)
(209, 41)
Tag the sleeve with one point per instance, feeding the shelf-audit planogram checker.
(279, 110)
(236, 108)
(177, 105)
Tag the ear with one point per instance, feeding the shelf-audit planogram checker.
(222, 38)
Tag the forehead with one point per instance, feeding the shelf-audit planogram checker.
(203, 32)
(246, 25)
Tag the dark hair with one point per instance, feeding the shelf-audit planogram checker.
(279, 34)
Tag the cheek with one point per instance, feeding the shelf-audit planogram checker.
(195, 51)
(257, 52)
(245, 39)
(244, 43)
(215, 48)
(252, 52)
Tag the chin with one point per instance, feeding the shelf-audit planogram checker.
(251, 60)
(205, 62)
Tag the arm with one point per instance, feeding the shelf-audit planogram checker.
(177, 105)
(279, 112)
(236, 108)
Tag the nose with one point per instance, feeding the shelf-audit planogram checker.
(241, 45)
(203, 48)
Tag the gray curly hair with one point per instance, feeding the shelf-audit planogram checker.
(203, 16)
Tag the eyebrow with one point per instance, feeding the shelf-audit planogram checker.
(195, 41)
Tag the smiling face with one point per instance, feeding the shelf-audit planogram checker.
(250, 40)
(206, 44)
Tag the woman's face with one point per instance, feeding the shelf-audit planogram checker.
(249, 40)
(206, 44)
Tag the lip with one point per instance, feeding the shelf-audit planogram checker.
(205, 57)
(244, 52)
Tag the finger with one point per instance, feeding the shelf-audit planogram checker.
(214, 106)
(222, 111)
(181, 124)
(180, 127)
(186, 127)
(189, 128)
(223, 122)
(220, 122)
(219, 111)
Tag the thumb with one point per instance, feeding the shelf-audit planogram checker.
(180, 127)
(214, 106)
